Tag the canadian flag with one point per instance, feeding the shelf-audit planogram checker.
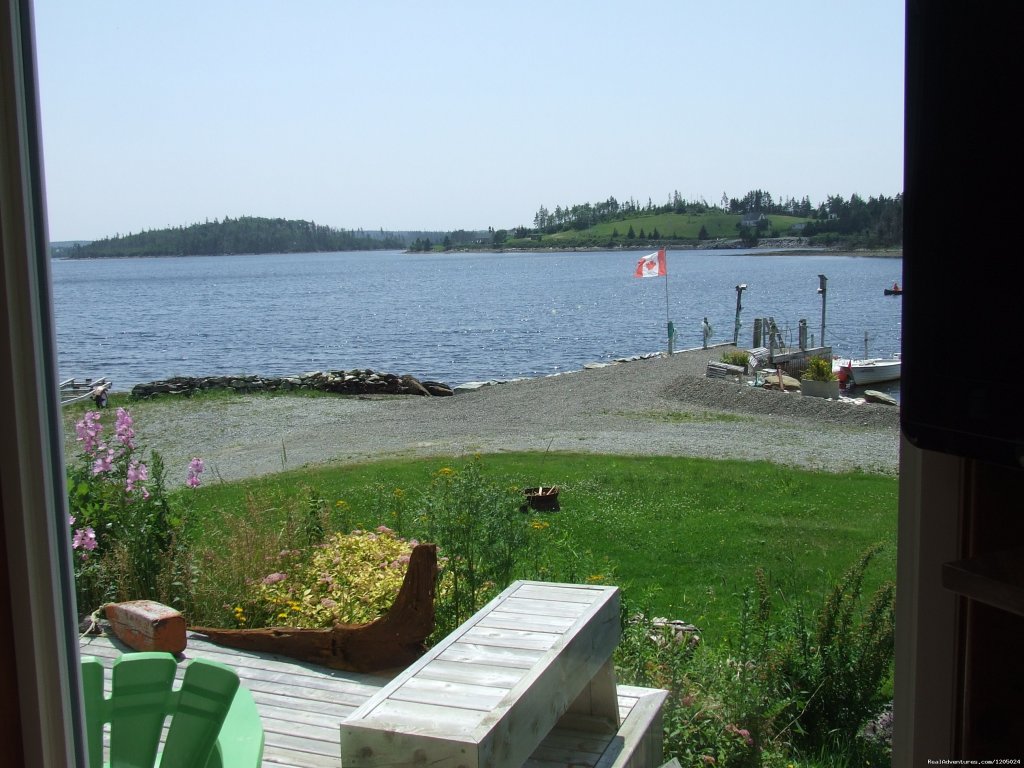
(652, 265)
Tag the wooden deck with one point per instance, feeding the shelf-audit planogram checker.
(302, 705)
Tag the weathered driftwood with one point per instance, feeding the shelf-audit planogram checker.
(394, 640)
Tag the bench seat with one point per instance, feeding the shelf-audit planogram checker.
(493, 690)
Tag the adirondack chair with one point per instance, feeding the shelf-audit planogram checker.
(214, 722)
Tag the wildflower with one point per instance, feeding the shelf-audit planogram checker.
(103, 463)
(445, 472)
(123, 429)
(88, 429)
(274, 578)
(341, 504)
(85, 538)
(383, 529)
(137, 473)
(398, 493)
(743, 733)
(195, 469)
(71, 519)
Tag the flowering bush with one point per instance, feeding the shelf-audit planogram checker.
(122, 526)
(348, 579)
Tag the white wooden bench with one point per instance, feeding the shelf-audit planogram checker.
(489, 693)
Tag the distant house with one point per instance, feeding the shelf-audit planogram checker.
(754, 219)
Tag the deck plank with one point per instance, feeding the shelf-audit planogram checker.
(302, 706)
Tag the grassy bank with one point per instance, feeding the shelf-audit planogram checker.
(683, 537)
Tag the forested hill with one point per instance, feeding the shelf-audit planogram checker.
(242, 235)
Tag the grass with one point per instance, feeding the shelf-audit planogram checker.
(686, 417)
(681, 536)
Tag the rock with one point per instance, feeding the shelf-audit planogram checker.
(355, 382)
(411, 385)
(874, 396)
(771, 381)
(472, 386)
(437, 389)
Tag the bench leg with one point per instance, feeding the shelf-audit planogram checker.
(597, 706)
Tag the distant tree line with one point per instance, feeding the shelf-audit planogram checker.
(246, 234)
(877, 221)
(585, 215)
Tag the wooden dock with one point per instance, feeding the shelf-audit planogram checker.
(302, 706)
(73, 390)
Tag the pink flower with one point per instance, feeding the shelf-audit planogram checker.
(71, 519)
(274, 578)
(104, 462)
(85, 538)
(88, 429)
(195, 469)
(137, 473)
(384, 529)
(123, 428)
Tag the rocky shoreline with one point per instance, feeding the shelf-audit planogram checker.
(354, 382)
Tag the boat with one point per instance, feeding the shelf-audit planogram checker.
(873, 370)
(894, 291)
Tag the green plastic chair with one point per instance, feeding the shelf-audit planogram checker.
(214, 722)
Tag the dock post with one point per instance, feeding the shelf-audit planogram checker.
(822, 286)
(758, 323)
(739, 306)
(802, 335)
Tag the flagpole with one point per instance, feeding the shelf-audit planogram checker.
(668, 321)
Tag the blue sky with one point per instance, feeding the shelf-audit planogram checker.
(449, 115)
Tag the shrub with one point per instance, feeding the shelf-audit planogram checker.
(348, 579)
(481, 535)
(736, 357)
(819, 369)
(781, 685)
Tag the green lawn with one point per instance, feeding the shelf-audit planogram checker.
(683, 537)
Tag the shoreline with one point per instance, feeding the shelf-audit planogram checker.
(653, 406)
(767, 249)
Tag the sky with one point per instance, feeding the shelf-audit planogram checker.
(456, 115)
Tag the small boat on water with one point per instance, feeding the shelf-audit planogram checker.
(871, 371)
(894, 291)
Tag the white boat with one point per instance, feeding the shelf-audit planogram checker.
(873, 370)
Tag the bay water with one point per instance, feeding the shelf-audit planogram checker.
(450, 317)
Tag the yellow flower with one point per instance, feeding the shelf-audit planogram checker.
(341, 504)
(399, 493)
(445, 472)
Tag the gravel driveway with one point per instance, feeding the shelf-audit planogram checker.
(654, 406)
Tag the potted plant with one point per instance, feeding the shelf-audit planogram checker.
(819, 380)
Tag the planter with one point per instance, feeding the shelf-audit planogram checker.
(543, 498)
(826, 389)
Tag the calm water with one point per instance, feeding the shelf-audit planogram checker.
(448, 317)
